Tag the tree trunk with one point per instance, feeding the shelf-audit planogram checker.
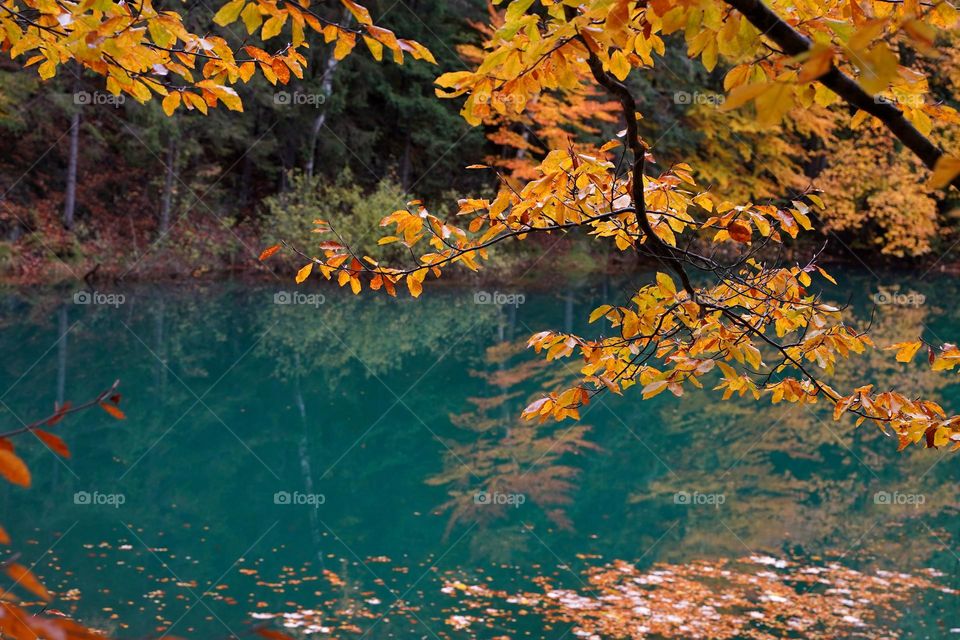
(166, 203)
(70, 200)
(160, 346)
(63, 328)
(326, 90)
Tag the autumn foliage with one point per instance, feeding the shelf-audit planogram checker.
(747, 324)
(757, 322)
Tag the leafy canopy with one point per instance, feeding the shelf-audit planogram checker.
(756, 321)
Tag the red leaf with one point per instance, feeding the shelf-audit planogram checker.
(58, 414)
(56, 444)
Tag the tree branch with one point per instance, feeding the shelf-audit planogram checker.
(794, 43)
(61, 412)
(660, 249)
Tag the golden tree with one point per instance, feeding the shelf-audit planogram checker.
(755, 320)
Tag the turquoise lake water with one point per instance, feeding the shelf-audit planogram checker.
(353, 467)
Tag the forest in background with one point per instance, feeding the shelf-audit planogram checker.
(94, 182)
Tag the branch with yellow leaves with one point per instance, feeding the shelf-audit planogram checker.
(794, 43)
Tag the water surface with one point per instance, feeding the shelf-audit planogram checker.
(324, 460)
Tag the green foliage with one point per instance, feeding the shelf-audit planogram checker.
(353, 211)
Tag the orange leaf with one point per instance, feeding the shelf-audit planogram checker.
(13, 469)
(269, 251)
(22, 576)
(280, 68)
(4, 538)
(273, 635)
(112, 410)
(55, 442)
(259, 54)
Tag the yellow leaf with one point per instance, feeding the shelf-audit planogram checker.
(944, 172)
(304, 272)
(48, 69)
(171, 102)
(826, 275)
(654, 388)
(345, 43)
(666, 284)
(816, 65)
(414, 285)
(359, 12)
(375, 46)
(229, 12)
(252, 18)
(619, 65)
(906, 350)
(273, 26)
(743, 94)
(600, 311)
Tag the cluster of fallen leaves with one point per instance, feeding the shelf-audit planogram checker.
(753, 597)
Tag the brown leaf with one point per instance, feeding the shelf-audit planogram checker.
(931, 434)
(739, 232)
(273, 635)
